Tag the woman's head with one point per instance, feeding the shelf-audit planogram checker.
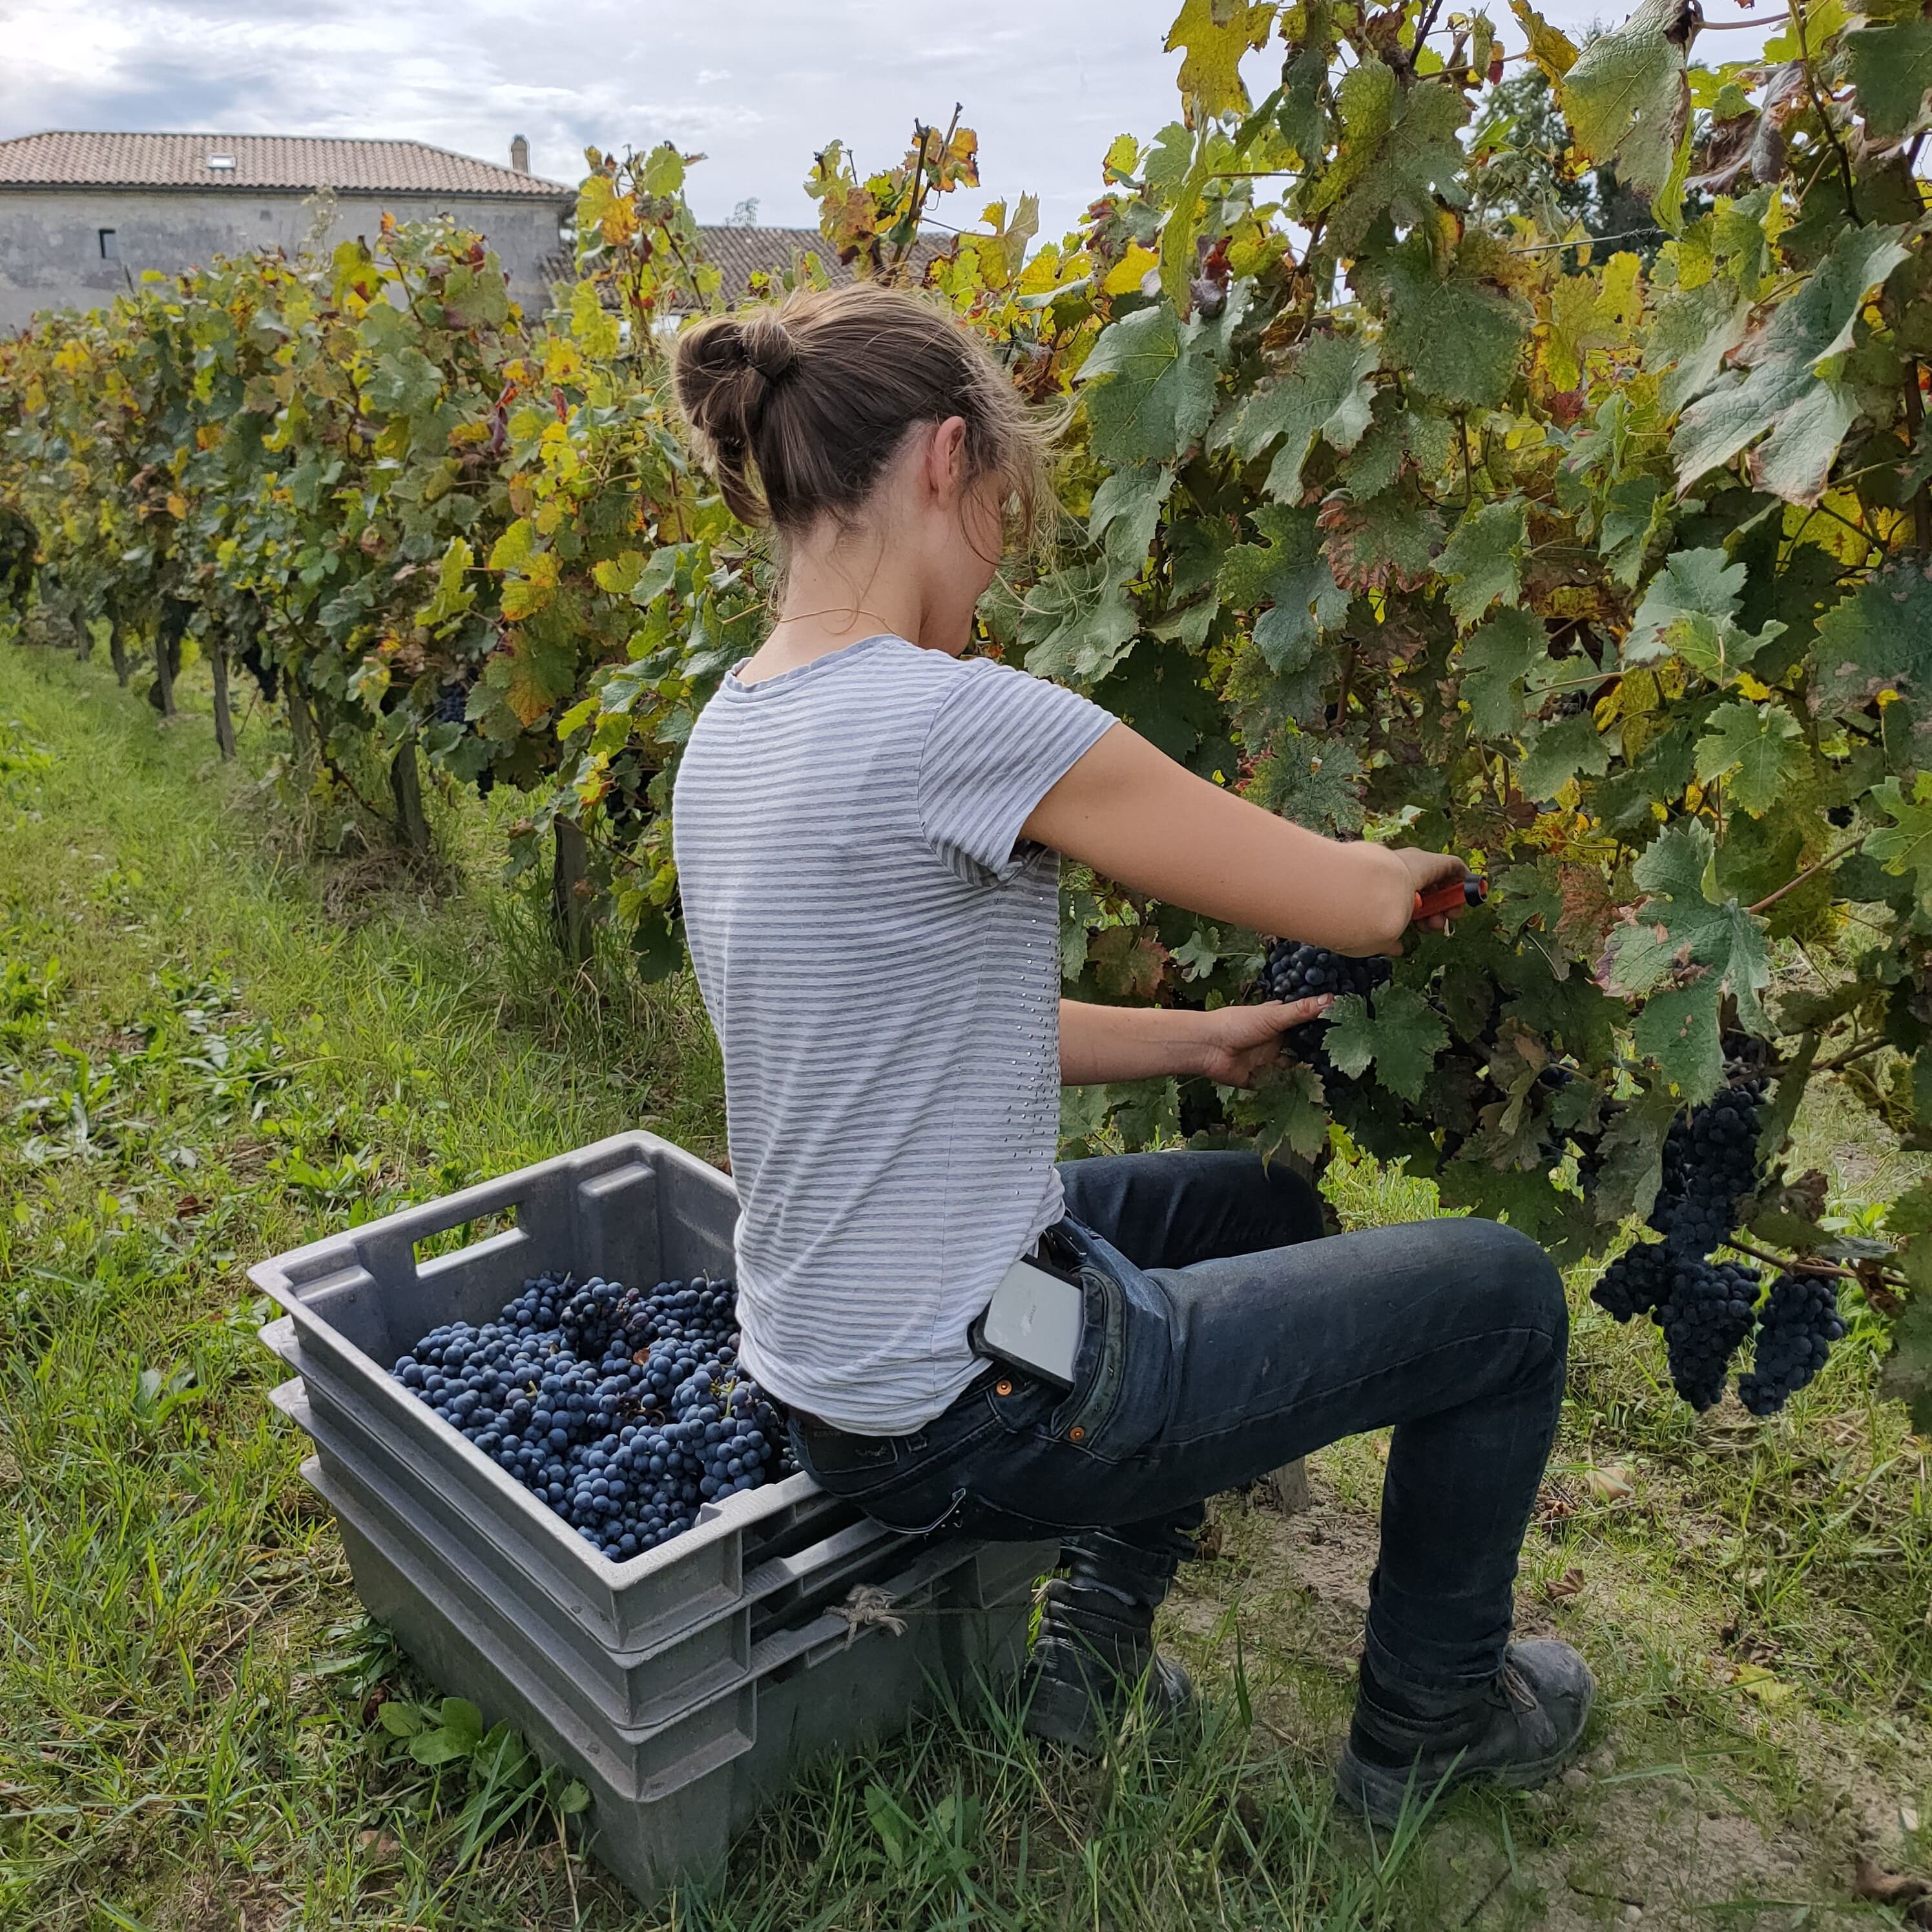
(803, 410)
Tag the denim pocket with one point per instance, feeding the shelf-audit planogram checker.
(1119, 1397)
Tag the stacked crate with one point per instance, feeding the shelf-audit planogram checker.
(683, 1686)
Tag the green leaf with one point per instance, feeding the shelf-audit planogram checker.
(1149, 391)
(1077, 624)
(1399, 153)
(1760, 744)
(1288, 1109)
(1400, 1039)
(1806, 406)
(1126, 513)
(1501, 661)
(1553, 754)
(1459, 337)
(1891, 66)
(1484, 560)
(1686, 951)
(1878, 639)
(1907, 1375)
(404, 383)
(1328, 393)
(1626, 100)
(1905, 846)
(462, 1721)
(399, 1717)
(1287, 573)
(573, 1798)
(1687, 611)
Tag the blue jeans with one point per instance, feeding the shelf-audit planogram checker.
(1226, 1335)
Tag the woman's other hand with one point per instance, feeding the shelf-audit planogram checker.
(1240, 1043)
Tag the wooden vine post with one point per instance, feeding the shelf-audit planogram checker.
(406, 786)
(569, 893)
(224, 719)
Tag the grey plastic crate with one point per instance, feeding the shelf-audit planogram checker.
(633, 1208)
(651, 1686)
(466, 1648)
(836, 1529)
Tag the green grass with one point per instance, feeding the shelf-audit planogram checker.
(215, 1044)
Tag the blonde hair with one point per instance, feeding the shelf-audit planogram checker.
(796, 408)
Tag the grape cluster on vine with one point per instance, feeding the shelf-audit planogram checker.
(625, 1410)
(1294, 970)
(1799, 1323)
(1710, 1166)
(1707, 1310)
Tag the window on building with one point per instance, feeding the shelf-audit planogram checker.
(222, 163)
(110, 247)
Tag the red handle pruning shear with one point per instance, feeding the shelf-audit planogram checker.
(1458, 896)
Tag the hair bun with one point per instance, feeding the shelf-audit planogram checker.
(768, 346)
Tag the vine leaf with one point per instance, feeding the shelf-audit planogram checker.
(1384, 544)
(1126, 512)
(1905, 846)
(1213, 34)
(1287, 572)
(1503, 660)
(1329, 393)
(1077, 624)
(1626, 100)
(1458, 336)
(1684, 952)
(1891, 66)
(1150, 389)
(1552, 50)
(1484, 560)
(1399, 153)
(1688, 611)
(1793, 384)
(1556, 753)
(1290, 1109)
(1756, 748)
(1879, 639)
(1400, 1039)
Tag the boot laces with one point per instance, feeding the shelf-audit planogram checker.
(1517, 1688)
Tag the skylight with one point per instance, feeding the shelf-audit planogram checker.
(224, 162)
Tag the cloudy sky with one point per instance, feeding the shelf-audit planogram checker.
(756, 84)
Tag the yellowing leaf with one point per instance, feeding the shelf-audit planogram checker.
(1551, 49)
(1214, 34)
(1127, 274)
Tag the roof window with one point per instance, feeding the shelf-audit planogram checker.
(222, 163)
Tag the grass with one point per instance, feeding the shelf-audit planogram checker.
(214, 1045)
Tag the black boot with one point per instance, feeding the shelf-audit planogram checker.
(1094, 1649)
(1518, 1732)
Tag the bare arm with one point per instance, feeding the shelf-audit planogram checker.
(1230, 1045)
(1134, 814)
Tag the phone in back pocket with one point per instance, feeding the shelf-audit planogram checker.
(1034, 1321)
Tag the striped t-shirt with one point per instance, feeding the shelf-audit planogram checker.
(879, 952)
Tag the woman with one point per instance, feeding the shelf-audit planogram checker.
(867, 828)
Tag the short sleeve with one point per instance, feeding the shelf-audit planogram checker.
(999, 742)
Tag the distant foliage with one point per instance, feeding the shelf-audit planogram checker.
(1392, 498)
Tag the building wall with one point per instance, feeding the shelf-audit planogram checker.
(50, 238)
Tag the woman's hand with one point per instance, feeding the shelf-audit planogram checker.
(1240, 1043)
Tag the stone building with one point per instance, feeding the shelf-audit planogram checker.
(83, 215)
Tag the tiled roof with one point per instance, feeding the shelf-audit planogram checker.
(287, 161)
(737, 253)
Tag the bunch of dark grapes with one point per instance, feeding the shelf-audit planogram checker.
(1635, 1282)
(1708, 1311)
(1295, 970)
(1801, 1322)
(626, 1411)
(452, 702)
(1710, 1165)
